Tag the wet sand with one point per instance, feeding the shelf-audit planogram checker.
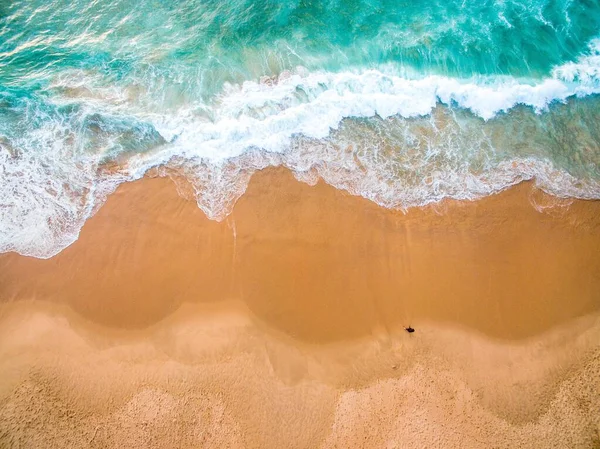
(282, 326)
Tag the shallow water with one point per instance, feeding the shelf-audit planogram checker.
(404, 103)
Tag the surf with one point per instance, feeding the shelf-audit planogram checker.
(385, 102)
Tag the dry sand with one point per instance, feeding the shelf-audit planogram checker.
(282, 325)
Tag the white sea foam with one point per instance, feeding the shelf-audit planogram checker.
(267, 115)
(218, 187)
(43, 197)
(46, 195)
(49, 189)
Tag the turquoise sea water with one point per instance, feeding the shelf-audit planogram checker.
(402, 102)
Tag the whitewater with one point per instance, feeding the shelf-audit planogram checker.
(93, 95)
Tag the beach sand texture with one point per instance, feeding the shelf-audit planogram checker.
(282, 326)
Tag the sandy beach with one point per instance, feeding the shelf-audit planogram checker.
(283, 325)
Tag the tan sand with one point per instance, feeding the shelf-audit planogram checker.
(321, 265)
(282, 326)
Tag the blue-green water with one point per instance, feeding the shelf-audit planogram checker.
(402, 102)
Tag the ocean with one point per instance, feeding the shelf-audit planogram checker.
(404, 103)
